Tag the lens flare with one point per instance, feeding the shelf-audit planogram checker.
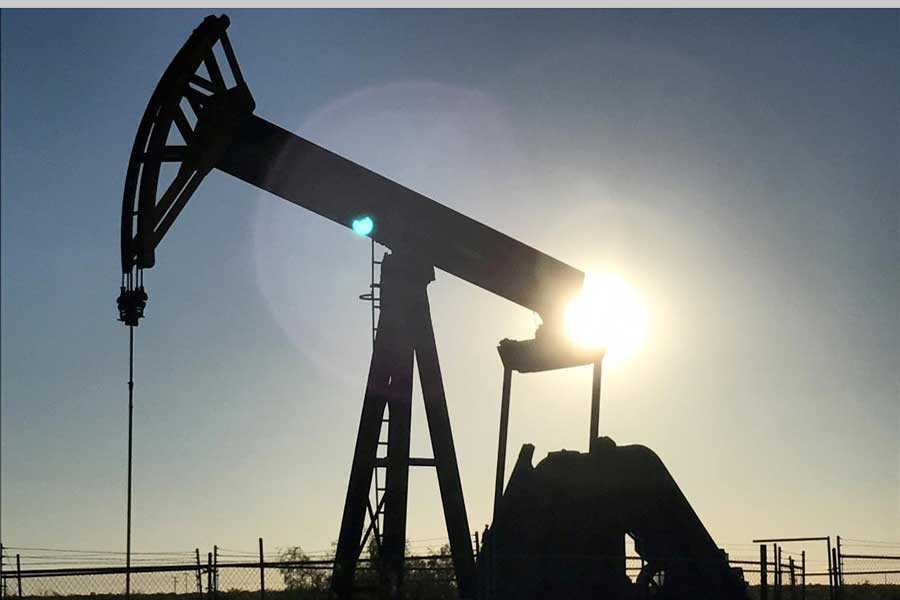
(608, 314)
(363, 226)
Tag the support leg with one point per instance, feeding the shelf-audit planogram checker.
(404, 332)
(364, 455)
(393, 547)
(444, 452)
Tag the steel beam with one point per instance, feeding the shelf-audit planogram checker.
(296, 169)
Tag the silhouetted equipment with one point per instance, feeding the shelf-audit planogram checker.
(544, 353)
(404, 332)
(578, 507)
(227, 136)
(131, 303)
(200, 117)
(549, 350)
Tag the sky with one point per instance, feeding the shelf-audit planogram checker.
(737, 168)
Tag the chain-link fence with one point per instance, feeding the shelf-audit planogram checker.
(858, 577)
(426, 577)
(31, 584)
(869, 569)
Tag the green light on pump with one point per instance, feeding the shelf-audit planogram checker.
(363, 225)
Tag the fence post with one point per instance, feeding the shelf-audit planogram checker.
(780, 574)
(262, 573)
(793, 578)
(830, 573)
(19, 573)
(209, 575)
(763, 574)
(834, 567)
(803, 575)
(199, 573)
(776, 572)
(840, 568)
(215, 571)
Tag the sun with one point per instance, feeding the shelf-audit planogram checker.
(608, 314)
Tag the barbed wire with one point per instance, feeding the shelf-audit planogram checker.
(888, 543)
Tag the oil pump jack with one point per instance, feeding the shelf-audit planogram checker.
(201, 117)
(421, 234)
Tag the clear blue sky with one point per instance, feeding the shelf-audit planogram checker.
(739, 169)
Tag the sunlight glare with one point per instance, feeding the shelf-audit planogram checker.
(608, 313)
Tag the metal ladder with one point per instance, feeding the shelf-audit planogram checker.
(376, 509)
